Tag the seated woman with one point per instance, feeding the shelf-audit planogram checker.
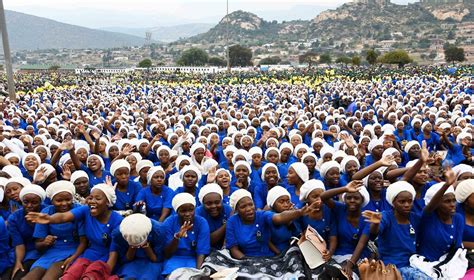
(21, 232)
(80, 179)
(142, 168)
(5, 261)
(61, 244)
(297, 175)
(270, 179)
(215, 212)
(139, 243)
(248, 232)
(279, 200)
(223, 179)
(190, 176)
(99, 222)
(157, 197)
(397, 230)
(187, 236)
(126, 189)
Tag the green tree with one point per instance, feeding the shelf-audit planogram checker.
(146, 63)
(310, 58)
(399, 57)
(355, 60)
(217, 61)
(54, 67)
(453, 53)
(325, 58)
(240, 56)
(372, 56)
(344, 60)
(193, 57)
(270, 60)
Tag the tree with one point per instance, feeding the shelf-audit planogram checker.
(309, 57)
(54, 67)
(270, 60)
(453, 53)
(217, 61)
(146, 63)
(344, 60)
(193, 57)
(355, 60)
(240, 56)
(371, 56)
(399, 57)
(325, 58)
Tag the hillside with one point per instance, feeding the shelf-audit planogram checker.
(27, 32)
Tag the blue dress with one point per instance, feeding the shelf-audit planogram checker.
(397, 242)
(98, 234)
(66, 244)
(93, 180)
(378, 205)
(21, 233)
(281, 235)
(141, 267)
(252, 239)
(215, 223)
(156, 203)
(347, 235)
(326, 226)
(468, 232)
(260, 195)
(183, 190)
(125, 200)
(197, 243)
(436, 238)
(5, 250)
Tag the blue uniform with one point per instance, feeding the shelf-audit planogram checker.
(196, 243)
(252, 239)
(21, 233)
(126, 199)
(66, 243)
(281, 235)
(98, 234)
(378, 205)
(436, 238)
(326, 226)
(468, 232)
(217, 222)
(156, 202)
(141, 267)
(5, 250)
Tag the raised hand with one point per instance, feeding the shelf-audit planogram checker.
(108, 180)
(424, 153)
(354, 186)
(183, 231)
(66, 172)
(37, 218)
(40, 176)
(387, 160)
(211, 175)
(127, 150)
(450, 176)
(95, 134)
(66, 145)
(372, 216)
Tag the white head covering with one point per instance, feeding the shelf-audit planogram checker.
(102, 165)
(236, 196)
(12, 170)
(430, 193)
(464, 189)
(374, 143)
(32, 189)
(301, 170)
(243, 163)
(109, 192)
(78, 174)
(394, 189)
(462, 168)
(365, 195)
(266, 166)
(310, 186)
(60, 186)
(152, 171)
(328, 165)
(135, 229)
(49, 169)
(189, 168)
(275, 193)
(346, 160)
(411, 144)
(144, 163)
(38, 159)
(19, 180)
(182, 198)
(118, 164)
(181, 159)
(210, 188)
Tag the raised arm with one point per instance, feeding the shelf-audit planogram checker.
(385, 161)
(424, 155)
(352, 187)
(450, 178)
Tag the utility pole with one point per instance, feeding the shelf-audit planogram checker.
(227, 37)
(7, 55)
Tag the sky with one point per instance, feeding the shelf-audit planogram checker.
(149, 13)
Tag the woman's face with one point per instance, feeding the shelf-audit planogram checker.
(190, 179)
(310, 162)
(41, 152)
(377, 151)
(283, 203)
(212, 204)
(403, 203)
(143, 172)
(256, 159)
(317, 147)
(183, 163)
(97, 202)
(226, 143)
(272, 144)
(122, 175)
(397, 157)
(102, 146)
(375, 182)
(272, 157)
(12, 191)
(199, 154)
(465, 176)
(246, 142)
(186, 212)
(246, 209)
(271, 176)
(223, 179)
(82, 186)
(353, 201)
(285, 154)
(241, 172)
(132, 161)
(295, 141)
(414, 152)
(31, 163)
(82, 154)
(300, 153)
(164, 157)
(327, 157)
(14, 161)
(428, 128)
(113, 152)
(94, 163)
(314, 196)
(351, 168)
(31, 203)
(292, 177)
(37, 141)
(157, 179)
(422, 176)
(448, 204)
(332, 176)
(62, 202)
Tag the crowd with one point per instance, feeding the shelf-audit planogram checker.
(147, 176)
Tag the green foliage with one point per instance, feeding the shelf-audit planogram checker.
(325, 58)
(453, 53)
(240, 56)
(193, 57)
(146, 63)
(371, 57)
(355, 60)
(399, 57)
(309, 57)
(54, 67)
(217, 61)
(344, 60)
(270, 60)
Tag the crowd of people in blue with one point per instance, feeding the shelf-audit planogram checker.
(117, 178)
